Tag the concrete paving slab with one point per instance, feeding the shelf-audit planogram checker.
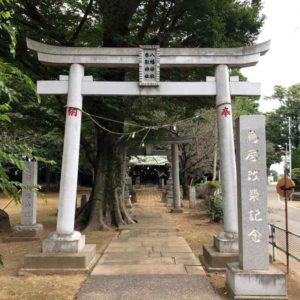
(173, 249)
(187, 261)
(195, 270)
(147, 287)
(113, 248)
(148, 260)
(120, 269)
(180, 255)
(142, 261)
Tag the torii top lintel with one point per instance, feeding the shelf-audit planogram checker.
(129, 57)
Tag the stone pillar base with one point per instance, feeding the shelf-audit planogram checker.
(216, 261)
(170, 199)
(56, 243)
(22, 233)
(255, 284)
(192, 204)
(60, 263)
(176, 210)
(226, 242)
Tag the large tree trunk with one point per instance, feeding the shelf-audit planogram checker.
(92, 214)
(106, 206)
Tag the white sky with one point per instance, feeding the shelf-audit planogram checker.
(281, 65)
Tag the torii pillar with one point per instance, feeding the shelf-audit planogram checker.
(225, 244)
(65, 248)
(65, 239)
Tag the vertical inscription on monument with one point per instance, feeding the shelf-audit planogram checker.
(252, 198)
(149, 66)
(29, 179)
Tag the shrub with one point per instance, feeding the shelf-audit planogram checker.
(206, 190)
(216, 207)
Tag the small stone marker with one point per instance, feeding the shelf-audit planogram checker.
(128, 182)
(253, 277)
(169, 188)
(29, 178)
(192, 196)
(127, 197)
(28, 227)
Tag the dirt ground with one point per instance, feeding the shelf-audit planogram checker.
(194, 225)
(49, 287)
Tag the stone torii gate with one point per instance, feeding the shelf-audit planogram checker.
(149, 60)
(174, 142)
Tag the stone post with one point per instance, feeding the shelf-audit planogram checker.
(65, 239)
(192, 196)
(28, 229)
(176, 182)
(127, 196)
(253, 277)
(169, 185)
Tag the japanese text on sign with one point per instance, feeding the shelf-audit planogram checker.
(149, 65)
(252, 156)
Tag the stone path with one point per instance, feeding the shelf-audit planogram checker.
(148, 260)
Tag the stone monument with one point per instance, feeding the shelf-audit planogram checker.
(127, 197)
(28, 229)
(192, 196)
(127, 185)
(253, 276)
(169, 186)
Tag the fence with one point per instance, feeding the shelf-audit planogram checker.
(278, 241)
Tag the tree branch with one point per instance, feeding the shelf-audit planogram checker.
(148, 19)
(33, 13)
(84, 18)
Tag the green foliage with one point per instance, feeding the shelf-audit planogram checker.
(216, 207)
(211, 192)
(296, 158)
(296, 173)
(4, 12)
(7, 32)
(277, 122)
(1, 261)
(213, 184)
(275, 175)
(12, 83)
(296, 178)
